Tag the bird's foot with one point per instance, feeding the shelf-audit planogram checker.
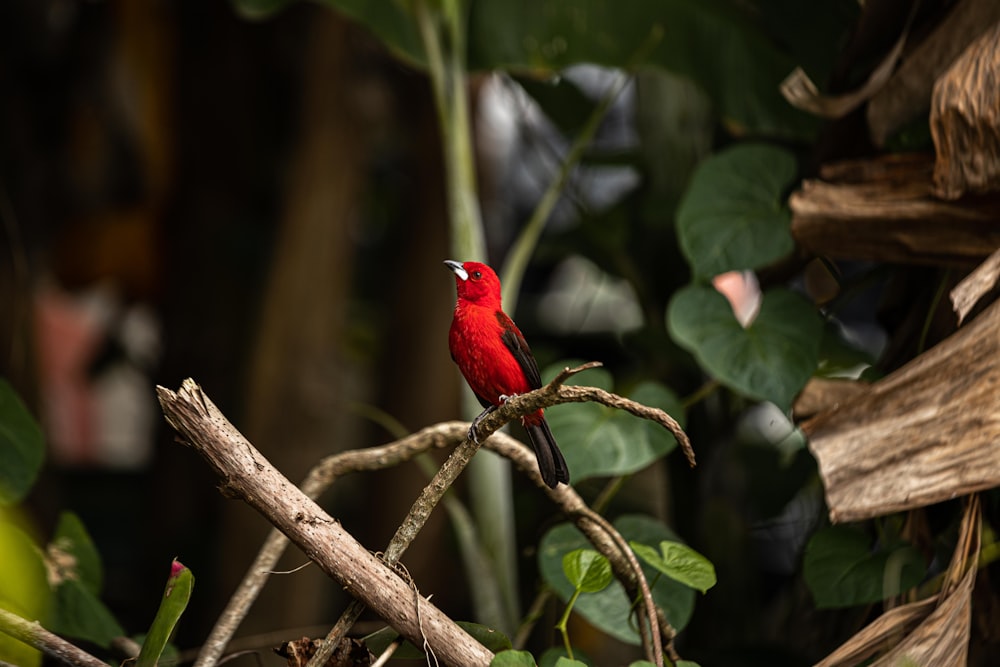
(475, 423)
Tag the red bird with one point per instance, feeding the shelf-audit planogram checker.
(496, 361)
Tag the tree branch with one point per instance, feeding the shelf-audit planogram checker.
(247, 474)
(33, 634)
(601, 534)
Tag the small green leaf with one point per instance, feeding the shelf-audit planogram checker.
(491, 638)
(72, 554)
(379, 640)
(609, 609)
(22, 447)
(770, 360)
(513, 659)
(79, 613)
(567, 662)
(175, 599)
(74, 567)
(556, 655)
(598, 441)
(733, 216)
(587, 570)
(679, 562)
(842, 570)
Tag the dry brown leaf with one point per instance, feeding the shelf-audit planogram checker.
(907, 94)
(928, 432)
(965, 121)
(934, 631)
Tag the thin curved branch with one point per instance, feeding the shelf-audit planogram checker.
(601, 534)
(444, 435)
(556, 392)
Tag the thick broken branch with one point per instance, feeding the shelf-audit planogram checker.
(247, 474)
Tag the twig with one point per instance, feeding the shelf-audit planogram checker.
(33, 634)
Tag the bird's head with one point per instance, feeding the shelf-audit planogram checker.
(475, 282)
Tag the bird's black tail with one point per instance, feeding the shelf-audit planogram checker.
(551, 463)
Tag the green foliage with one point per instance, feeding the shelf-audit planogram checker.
(679, 562)
(599, 441)
(587, 570)
(569, 662)
(494, 640)
(609, 610)
(711, 42)
(60, 586)
(77, 579)
(175, 599)
(556, 655)
(22, 448)
(769, 360)
(842, 569)
(733, 215)
(715, 43)
(512, 658)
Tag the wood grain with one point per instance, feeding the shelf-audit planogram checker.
(926, 433)
(885, 210)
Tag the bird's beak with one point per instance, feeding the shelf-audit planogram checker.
(457, 268)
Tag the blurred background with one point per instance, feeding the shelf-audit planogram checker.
(259, 205)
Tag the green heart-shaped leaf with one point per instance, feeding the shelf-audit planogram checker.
(610, 608)
(587, 570)
(679, 562)
(841, 569)
(511, 658)
(770, 360)
(733, 216)
(598, 441)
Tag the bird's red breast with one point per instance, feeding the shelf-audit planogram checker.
(485, 343)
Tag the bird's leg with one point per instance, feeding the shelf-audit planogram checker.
(475, 423)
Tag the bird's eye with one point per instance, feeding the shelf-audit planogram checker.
(477, 275)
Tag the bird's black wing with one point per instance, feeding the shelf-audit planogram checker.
(518, 347)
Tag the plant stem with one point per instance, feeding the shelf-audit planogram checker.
(564, 621)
